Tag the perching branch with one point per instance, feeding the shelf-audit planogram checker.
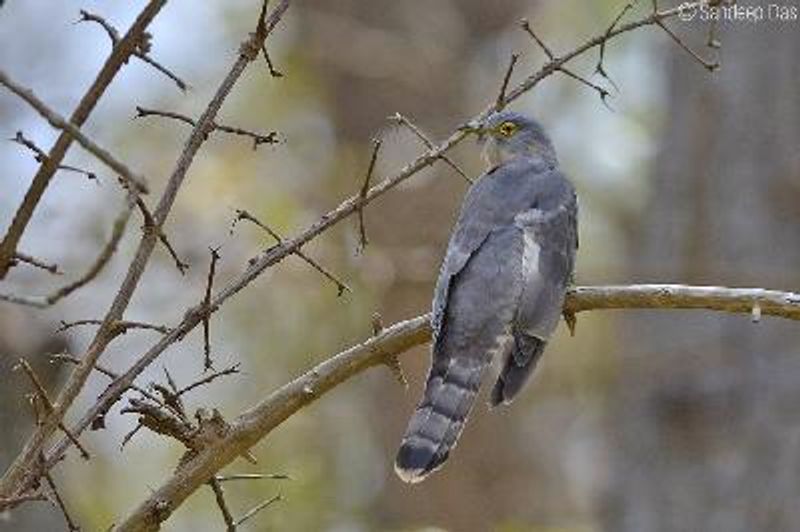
(258, 421)
(258, 138)
(141, 51)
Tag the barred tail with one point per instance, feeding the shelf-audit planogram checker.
(437, 423)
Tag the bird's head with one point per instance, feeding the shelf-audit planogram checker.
(507, 134)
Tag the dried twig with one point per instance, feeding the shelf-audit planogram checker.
(252, 476)
(708, 65)
(362, 229)
(28, 497)
(602, 92)
(33, 261)
(207, 364)
(42, 403)
(219, 495)
(231, 370)
(135, 181)
(501, 95)
(243, 215)
(40, 156)
(141, 51)
(63, 357)
(71, 526)
(150, 225)
(272, 70)
(123, 325)
(118, 57)
(258, 138)
(117, 232)
(599, 67)
(251, 513)
(403, 120)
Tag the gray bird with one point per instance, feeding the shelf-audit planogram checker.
(501, 286)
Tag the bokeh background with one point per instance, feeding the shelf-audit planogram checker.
(644, 421)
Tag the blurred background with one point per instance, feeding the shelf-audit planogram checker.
(644, 421)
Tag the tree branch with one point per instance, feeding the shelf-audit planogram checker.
(21, 474)
(258, 421)
(118, 57)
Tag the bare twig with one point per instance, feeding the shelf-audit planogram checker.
(40, 156)
(150, 225)
(207, 364)
(231, 370)
(71, 526)
(258, 138)
(123, 325)
(272, 70)
(118, 57)
(403, 120)
(243, 215)
(253, 476)
(501, 95)
(362, 229)
(43, 403)
(117, 232)
(251, 513)
(63, 357)
(708, 65)
(599, 67)
(141, 51)
(219, 495)
(33, 261)
(602, 92)
(133, 180)
(253, 424)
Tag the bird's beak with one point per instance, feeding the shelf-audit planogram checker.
(476, 127)
(473, 126)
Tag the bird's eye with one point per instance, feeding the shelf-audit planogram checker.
(507, 128)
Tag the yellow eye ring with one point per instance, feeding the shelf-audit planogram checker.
(507, 129)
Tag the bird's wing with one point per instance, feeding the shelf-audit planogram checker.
(550, 242)
(490, 205)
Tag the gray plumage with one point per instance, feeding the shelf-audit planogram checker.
(501, 286)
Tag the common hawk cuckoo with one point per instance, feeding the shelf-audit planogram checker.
(501, 286)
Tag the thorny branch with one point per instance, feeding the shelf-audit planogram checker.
(21, 475)
(362, 228)
(117, 232)
(404, 121)
(207, 363)
(132, 180)
(33, 261)
(243, 215)
(40, 156)
(118, 57)
(141, 51)
(258, 138)
(501, 96)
